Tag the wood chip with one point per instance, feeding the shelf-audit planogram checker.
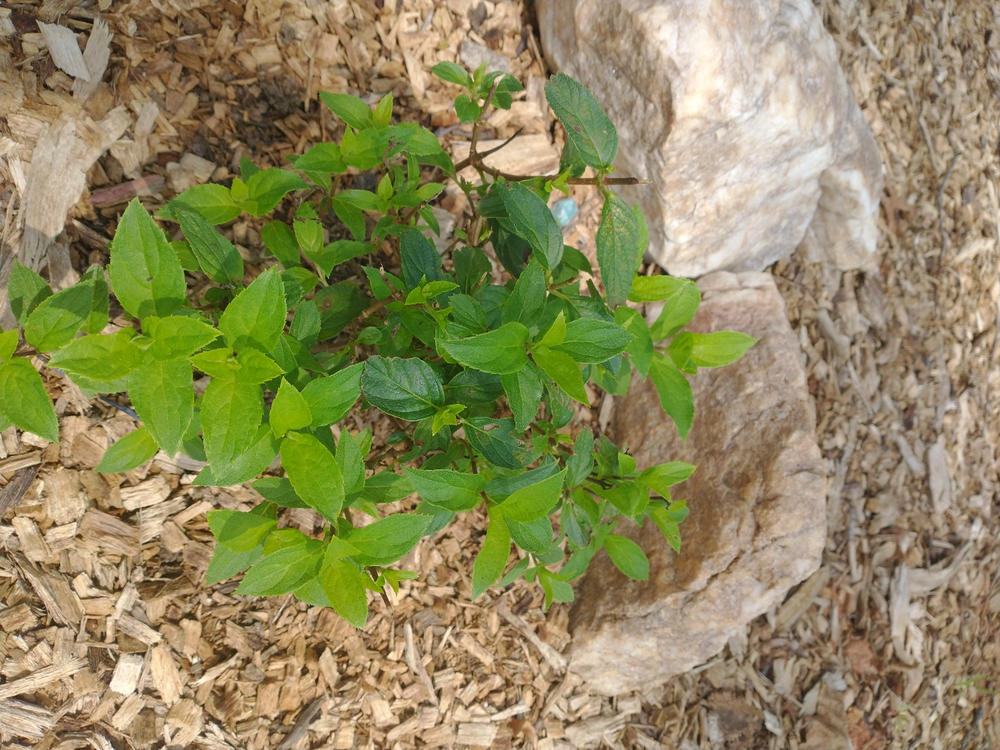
(128, 670)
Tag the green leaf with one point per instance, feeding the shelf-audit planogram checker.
(531, 220)
(627, 556)
(214, 202)
(350, 109)
(280, 240)
(534, 501)
(283, 571)
(388, 539)
(266, 188)
(387, 487)
(663, 476)
(564, 370)
(419, 258)
(24, 401)
(589, 129)
(453, 73)
(528, 296)
(314, 473)
(330, 398)
(216, 255)
(226, 563)
(130, 451)
(323, 157)
(493, 439)
(178, 335)
(162, 392)
(680, 302)
(501, 351)
(238, 530)
(289, 411)
(617, 239)
(256, 367)
(280, 491)
(97, 318)
(344, 588)
(306, 324)
(640, 348)
(404, 388)
(231, 411)
(256, 317)
(581, 462)
(8, 344)
(351, 452)
(674, 391)
(532, 536)
(58, 318)
(452, 490)
(25, 291)
(591, 340)
(524, 395)
(493, 555)
(334, 253)
(719, 348)
(556, 333)
(98, 357)
(146, 275)
(244, 466)
(466, 109)
(628, 497)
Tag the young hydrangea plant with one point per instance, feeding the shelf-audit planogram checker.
(481, 369)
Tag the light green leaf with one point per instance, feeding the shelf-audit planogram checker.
(214, 202)
(25, 290)
(493, 555)
(162, 392)
(350, 109)
(256, 367)
(98, 357)
(351, 452)
(244, 466)
(680, 302)
(56, 320)
(266, 188)
(231, 411)
(453, 73)
(281, 572)
(452, 490)
(226, 563)
(238, 530)
(501, 351)
(330, 398)
(388, 539)
(289, 411)
(178, 335)
(532, 536)
(674, 391)
(278, 237)
(334, 253)
(581, 462)
(588, 128)
(594, 341)
(256, 317)
(24, 401)
(534, 501)
(97, 284)
(341, 582)
(617, 238)
(404, 388)
(130, 451)
(719, 348)
(627, 556)
(314, 473)
(524, 394)
(8, 344)
(662, 477)
(146, 275)
(564, 370)
(640, 348)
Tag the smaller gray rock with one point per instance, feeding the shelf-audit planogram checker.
(758, 504)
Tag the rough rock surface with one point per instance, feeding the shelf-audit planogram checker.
(738, 113)
(758, 504)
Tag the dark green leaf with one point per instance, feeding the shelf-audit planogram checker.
(24, 401)
(534, 501)
(289, 410)
(494, 440)
(627, 556)
(281, 572)
(334, 253)
(532, 220)
(471, 265)
(528, 296)
(256, 317)
(216, 255)
(492, 557)
(628, 497)
(591, 340)
(238, 530)
(330, 398)
(524, 395)
(500, 352)
(226, 563)
(674, 391)
(617, 239)
(532, 536)
(145, 274)
(452, 490)
(25, 290)
(280, 240)
(351, 216)
(591, 131)
(419, 258)
(350, 109)
(162, 392)
(279, 490)
(581, 462)
(266, 188)
(404, 388)
(388, 539)
(314, 473)
(387, 487)
(719, 348)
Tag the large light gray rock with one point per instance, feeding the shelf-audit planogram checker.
(758, 519)
(739, 115)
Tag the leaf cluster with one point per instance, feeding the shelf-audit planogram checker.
(481, 355)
